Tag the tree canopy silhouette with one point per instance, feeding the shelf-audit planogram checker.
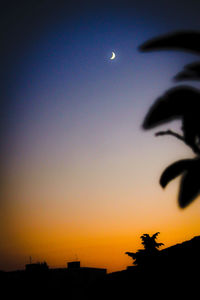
(183, 103)
(146, 255)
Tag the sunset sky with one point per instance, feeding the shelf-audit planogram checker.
(79, 177)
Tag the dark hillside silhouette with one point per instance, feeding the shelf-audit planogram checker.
(183, 256)
(170, 273)
(183, 103)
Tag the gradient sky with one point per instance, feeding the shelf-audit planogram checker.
(79, 176)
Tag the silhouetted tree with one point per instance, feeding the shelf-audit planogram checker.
(183, 103)
(146, 255)
(149, 242)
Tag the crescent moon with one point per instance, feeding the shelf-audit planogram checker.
(113, 55)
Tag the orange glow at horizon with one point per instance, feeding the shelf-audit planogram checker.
(98, 237)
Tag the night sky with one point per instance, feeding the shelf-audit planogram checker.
(79, 177)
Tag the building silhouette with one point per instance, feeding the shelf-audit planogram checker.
(37, 267)
(84, 274)
(174, 269)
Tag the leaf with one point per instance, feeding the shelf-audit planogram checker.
(181, 40)
(190, 72)
(187, 75)
(154, 236)
(189, 188)
(174, 170)
(195, 66)
(174, 104)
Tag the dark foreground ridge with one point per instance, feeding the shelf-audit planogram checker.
(172, 273)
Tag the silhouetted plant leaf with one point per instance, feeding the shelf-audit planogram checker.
(176, 103)
(190, 72)
(187, 75)
(195, 66)
(179, 103)
(174, 170)
(154, 236)
(181, 40)
(189, 188)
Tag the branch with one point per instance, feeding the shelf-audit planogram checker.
(194, 147)
(170, 132)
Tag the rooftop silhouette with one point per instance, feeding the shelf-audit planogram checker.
(165, 268)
